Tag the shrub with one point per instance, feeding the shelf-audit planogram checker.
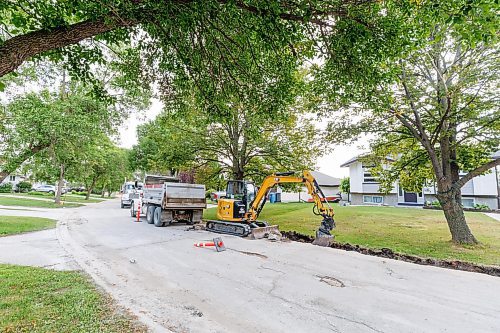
(436, 204)
(481, 206)
(6, 188)
(41, 194)
(23, 186)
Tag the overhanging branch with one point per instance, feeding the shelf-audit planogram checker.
(476, 172)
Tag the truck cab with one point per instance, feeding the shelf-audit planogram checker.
(127, 193)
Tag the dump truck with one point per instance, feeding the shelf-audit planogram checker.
(166, 201)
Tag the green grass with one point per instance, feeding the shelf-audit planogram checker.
(406, 230)
(10, 225)
(65, 197)
(41, 300)
(8, 201)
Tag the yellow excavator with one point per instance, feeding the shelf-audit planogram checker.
(238, 211)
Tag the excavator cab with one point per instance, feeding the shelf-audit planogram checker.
(239, 195)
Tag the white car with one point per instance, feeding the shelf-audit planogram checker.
(46, 188)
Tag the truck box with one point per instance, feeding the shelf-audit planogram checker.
(165, 200)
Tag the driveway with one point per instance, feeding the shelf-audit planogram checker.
(261, 286)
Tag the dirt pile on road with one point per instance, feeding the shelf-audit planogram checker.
(388, 253)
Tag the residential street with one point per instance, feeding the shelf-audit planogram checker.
(260, 286)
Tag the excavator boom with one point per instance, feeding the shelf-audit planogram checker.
(321, 205)
(237, 214)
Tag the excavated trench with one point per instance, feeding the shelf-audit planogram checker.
(388, 253)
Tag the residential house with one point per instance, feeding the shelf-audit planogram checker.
(365, 190)
(13, 179)
(328, 184)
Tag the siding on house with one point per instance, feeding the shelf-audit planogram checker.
(13, 179)
(329, 185)
(480, 190)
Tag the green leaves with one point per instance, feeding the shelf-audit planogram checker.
(52, 125)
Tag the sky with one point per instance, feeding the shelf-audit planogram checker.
(328, 164)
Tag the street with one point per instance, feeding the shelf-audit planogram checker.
(263, 286)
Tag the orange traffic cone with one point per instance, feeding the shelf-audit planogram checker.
(218, 243)
(139, 212)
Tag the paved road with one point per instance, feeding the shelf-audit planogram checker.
(260, 286)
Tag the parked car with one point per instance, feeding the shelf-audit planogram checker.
(217, 195)
(78, 189)
(46, 188)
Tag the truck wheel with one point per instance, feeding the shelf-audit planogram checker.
(122, 205)
(132, 210)
(157, 217)
(149, 214)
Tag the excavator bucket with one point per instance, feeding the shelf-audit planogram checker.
(323, 235)
(270, 232)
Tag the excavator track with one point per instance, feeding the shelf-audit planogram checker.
(230, 228)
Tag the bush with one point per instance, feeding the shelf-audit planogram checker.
(481, 206)
(6, 188)
(41, 194)
(436, 204)
(24, 186)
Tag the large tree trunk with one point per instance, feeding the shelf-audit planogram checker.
(18, 49)
(455, 217)
(60, 184)
(238, 174)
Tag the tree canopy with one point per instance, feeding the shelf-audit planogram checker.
(433, 107)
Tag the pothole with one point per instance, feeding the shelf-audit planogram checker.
(331, 281)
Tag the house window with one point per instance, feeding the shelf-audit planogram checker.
(469, 202)
(420, 194)
(400, 191)
(367, 176)
(373, 199)
(12, 178)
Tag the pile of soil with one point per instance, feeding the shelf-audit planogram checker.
(388, 253)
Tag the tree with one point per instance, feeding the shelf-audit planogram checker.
(38, 121)
(247, 142)
(55, 29)
(102, 166)
(116, 171)
(345, 186)
(434, 109)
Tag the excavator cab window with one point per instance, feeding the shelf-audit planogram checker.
(235, 189)
(251, 191)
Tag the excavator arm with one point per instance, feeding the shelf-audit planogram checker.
(321, 205)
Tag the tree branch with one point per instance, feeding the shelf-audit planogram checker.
(18, 49)
(476, 172)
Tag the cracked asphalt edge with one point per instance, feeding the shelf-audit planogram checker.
(89, 265)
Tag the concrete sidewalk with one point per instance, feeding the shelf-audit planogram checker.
(495, 216)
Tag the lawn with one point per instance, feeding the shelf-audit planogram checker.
(406, 230)
(65, 197)
(10, 225)
(8, 201)
(41, 300)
